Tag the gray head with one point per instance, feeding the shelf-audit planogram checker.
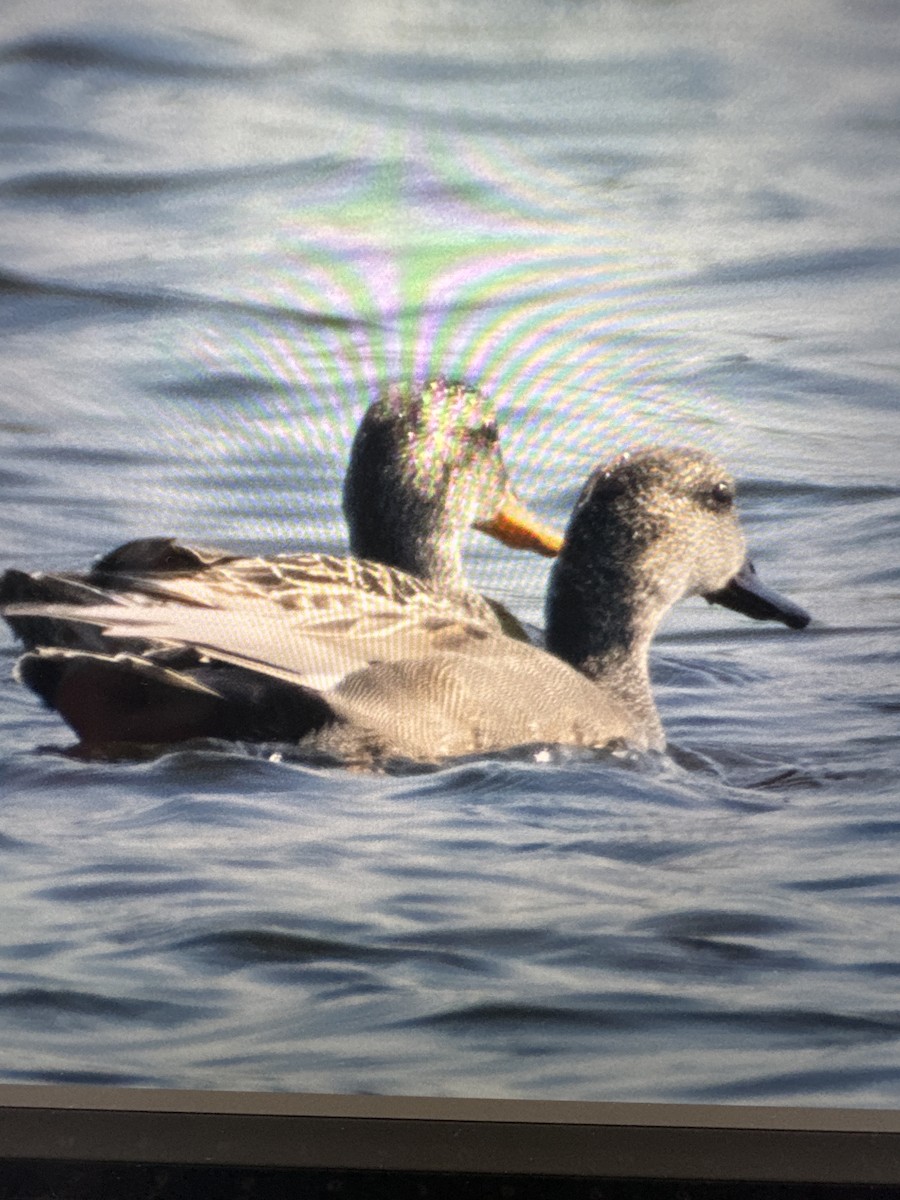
(649, 528)
(426, 465)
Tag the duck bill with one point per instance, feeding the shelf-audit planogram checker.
(746, 594)
(513, 525)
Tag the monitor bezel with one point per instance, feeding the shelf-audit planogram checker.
(106, 1124)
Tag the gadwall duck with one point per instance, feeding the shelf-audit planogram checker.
(413, 678)
(425, 466)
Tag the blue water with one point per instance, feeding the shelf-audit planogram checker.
(221, 227)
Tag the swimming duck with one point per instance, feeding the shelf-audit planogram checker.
(414, 678)
(425, 465)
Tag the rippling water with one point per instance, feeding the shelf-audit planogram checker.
(221, 228)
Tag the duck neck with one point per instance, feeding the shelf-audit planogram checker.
(435, 555)
(602, 623)
(432, 552)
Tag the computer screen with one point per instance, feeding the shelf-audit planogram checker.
(618, 238)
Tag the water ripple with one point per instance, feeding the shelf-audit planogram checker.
(146, 55)
(160, 300)
(839, 1081)
(872, 260)
(265, 945)
(834, 1028)
(49, 1004)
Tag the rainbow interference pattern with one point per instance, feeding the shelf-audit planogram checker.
(432, 255)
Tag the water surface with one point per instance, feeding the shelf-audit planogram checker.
(221, 230)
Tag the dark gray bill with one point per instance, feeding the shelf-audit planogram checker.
(746, 594)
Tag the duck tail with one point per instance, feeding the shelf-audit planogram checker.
(126, 698)
(21, 587)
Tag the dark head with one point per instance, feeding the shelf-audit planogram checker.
(649, 528)
(426, 465)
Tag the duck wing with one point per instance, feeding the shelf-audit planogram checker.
(296, 639)
(318, 585)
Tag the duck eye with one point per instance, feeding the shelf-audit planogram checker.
(720, 496)
(486, 434)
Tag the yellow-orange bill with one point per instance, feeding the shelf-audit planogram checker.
(515, 526)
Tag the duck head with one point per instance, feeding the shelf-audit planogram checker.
(649, 528)
(425, 466)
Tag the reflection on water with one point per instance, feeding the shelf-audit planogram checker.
(629, 223)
